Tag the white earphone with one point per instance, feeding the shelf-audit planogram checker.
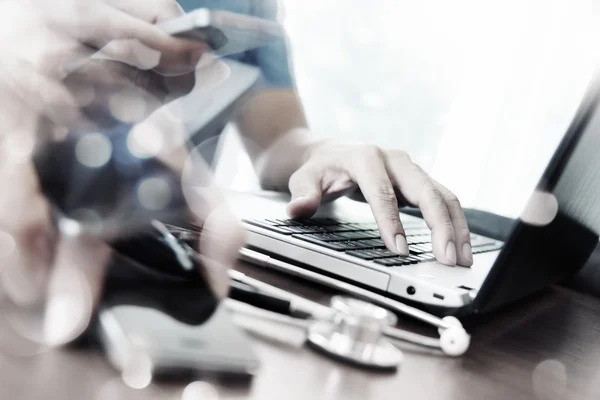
(454, 341)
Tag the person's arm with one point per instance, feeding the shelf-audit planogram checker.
(279, 143)
(276, 133)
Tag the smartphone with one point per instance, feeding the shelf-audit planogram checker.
(170, 328)
(159, 320)
(134, 336)
(225, 32)
(98, 187)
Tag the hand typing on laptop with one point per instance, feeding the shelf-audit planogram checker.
(385, 179)
(318, 171)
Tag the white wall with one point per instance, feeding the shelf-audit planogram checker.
(478, 92)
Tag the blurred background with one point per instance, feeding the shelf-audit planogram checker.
(479, 93)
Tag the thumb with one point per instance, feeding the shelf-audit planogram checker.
(305, 187)
(74, 288)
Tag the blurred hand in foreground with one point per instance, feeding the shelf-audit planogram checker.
(45, 86)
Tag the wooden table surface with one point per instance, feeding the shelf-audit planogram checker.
(546, 348)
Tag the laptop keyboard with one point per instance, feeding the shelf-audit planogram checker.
(362, 240)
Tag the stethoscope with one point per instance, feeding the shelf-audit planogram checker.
(359, 330)
(354, 330)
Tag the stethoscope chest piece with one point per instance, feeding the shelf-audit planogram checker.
(356, 334)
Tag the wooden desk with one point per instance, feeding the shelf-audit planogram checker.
(548, 348)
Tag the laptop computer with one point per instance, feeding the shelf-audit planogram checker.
(550, 242)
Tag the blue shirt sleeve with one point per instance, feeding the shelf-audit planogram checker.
(273, 60)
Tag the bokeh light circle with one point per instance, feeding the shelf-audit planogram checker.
(154, 193)
(47, 323)
(145, 141)
(200, 390)
(128, 105)
(93, 150)
(549, 379)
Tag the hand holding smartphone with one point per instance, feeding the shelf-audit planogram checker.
(225, 32)
(96, 186)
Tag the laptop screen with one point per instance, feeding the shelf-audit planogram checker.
(559, 227)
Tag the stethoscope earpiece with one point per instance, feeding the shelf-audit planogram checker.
(454, 340)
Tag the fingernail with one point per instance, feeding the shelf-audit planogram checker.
(467, 253)
(300, 198)
(451, 253)
(401, 245)
(62, 320)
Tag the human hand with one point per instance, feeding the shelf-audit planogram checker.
(58, 274)
(46, 271)
(44, 42)
(386, 179)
